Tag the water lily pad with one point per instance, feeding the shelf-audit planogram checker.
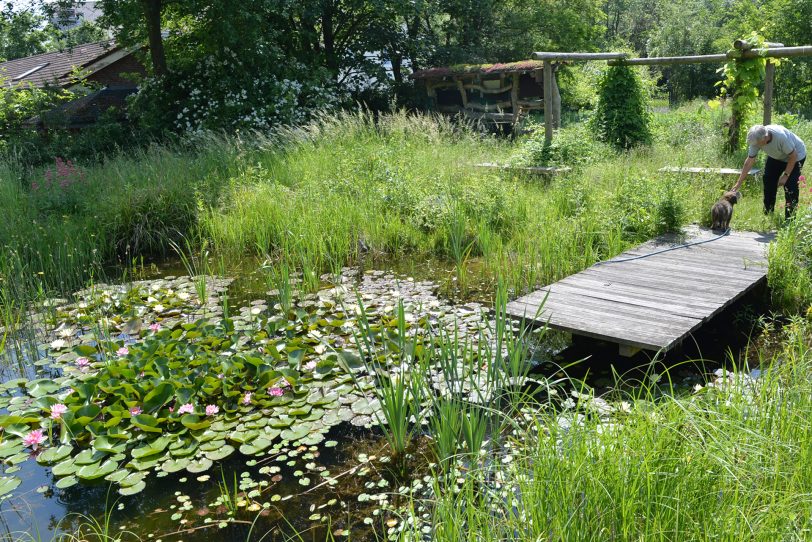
(201, 465)
(54, 455)
(96, 470)
(64, 468)
(221, 453)
(256, 446)
(67, 482)
(151, 448)
(132, 490)
(8, 484)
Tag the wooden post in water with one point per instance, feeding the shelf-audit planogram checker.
(548, 102)
(769, 77)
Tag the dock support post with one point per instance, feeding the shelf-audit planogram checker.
(627, 351)
(769, 77)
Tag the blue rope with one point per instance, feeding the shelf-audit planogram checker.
(727, 231)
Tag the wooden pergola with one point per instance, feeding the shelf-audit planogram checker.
(742, 50)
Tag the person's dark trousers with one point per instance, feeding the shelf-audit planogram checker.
(772, 171)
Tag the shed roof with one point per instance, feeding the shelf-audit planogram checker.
(479, 69)
(55, 68)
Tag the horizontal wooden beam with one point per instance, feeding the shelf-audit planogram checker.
(659, 60)
(542, 55)
(777, 52)
(744, 45)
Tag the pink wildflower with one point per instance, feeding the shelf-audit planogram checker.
(211, 410)
(135, 411)
(802, 178)
(58, 410)
(276, 392)
(34, 186)
(123, 351)
(34, 438)
(221, 376)
(188, 408)
(82, 362)
(247, 399)
(154, 327)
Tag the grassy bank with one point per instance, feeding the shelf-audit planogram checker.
(315, 197)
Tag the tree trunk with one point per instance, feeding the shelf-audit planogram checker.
(152, 12)
(328, 37)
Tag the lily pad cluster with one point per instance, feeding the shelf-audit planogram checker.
(144, 379)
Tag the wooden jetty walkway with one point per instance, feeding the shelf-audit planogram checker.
(654, 302)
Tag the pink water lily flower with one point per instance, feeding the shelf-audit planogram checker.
(135, 411)
(154, 327)
(211, 410)
(123, 351)
(188, 408)
(58, 410)
(276, 392)
(82, 362)
(247, 399)
(310, 365)
(34, 438)
(284, 383)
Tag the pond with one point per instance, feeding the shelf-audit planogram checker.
(186, 408)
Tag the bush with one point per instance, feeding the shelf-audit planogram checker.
(574, 145)
(622, 117)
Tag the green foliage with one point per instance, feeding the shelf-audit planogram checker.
(21, 102)
(573, 145)
(622, 116)
(790, 264)
(741, 84)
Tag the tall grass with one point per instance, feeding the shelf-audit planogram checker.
(728, 462)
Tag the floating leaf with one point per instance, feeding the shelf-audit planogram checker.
(8, 484)
(96, 470)
(68, 481)
(132, 490)
(54, 455)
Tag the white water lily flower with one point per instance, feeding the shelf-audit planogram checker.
(57, 344)
(159, 308)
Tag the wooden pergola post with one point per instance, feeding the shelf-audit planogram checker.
(769, 77)
(548, 102)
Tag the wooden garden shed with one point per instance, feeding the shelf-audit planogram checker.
(500, 94)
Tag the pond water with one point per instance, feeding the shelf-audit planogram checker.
(200, 408)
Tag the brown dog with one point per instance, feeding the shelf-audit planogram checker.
(722, 210)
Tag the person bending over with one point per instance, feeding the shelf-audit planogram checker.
(785, 157)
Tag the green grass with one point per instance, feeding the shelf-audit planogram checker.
(724, 463)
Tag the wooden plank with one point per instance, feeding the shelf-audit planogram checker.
(563, 300)
(715, 171)
(686, 266)
(535, 170)
(622, 330)
(652, 302)
(638, 291)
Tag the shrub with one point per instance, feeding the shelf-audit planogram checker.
(622, 116)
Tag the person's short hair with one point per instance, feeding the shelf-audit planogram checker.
(756, 134)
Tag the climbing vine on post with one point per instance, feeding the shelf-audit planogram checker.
(742, 79)
(622, 116)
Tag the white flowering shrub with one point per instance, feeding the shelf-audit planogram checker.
(228, 91)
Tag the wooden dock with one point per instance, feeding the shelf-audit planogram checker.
(708, 170)
(655, 302)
